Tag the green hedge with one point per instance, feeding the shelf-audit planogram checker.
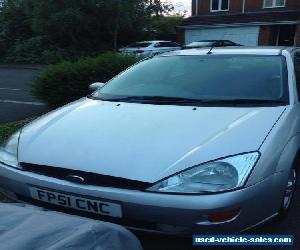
(67, 81)
(7, 129)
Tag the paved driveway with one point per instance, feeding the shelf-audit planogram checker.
(16, 101)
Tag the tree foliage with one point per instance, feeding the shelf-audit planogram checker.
(164, 27)
(52, 30)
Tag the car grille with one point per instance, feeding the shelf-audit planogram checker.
(89, 178)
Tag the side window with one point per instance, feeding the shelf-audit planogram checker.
(166, 44)
(228, 43)
(174, 45)
(297, 70)
(218, 44)
(160, 45)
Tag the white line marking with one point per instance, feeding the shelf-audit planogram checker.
(10, 89)
(20, 102)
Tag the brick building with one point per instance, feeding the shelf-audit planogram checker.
(248, 22)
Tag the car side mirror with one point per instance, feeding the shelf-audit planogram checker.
(96, 86)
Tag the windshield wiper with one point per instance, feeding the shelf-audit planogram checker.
(161, 99)
(247, 101)
(180, 100)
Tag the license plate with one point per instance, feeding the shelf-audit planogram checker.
(78, 203)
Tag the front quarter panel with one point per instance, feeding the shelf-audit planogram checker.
(280, 148)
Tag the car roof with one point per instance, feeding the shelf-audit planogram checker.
(240, 50)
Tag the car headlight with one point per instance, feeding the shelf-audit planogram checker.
(216, 176)
(9, 151)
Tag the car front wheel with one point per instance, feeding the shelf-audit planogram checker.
(289, 191)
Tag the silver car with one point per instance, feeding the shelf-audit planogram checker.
(150, 48)
(192, 141)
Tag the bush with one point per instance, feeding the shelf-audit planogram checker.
(67, 81)
(7, 129)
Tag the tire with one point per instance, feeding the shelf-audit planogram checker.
(288, 192)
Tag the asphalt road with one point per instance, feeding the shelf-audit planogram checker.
(16, 101)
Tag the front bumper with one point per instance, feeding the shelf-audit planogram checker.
(162, 213)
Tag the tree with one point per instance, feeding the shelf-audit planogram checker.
(164, 27)
(49, 30)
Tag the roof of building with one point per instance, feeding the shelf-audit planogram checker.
(243, 18)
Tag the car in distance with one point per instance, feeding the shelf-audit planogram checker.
(210, 43)
(150, 48)
(184, 142)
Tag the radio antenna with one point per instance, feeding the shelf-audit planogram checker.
(211, 48)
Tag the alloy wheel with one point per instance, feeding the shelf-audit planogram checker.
(289, 190)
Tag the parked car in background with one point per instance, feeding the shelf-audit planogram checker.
(210, 43)
(150, 48)
(185, 142)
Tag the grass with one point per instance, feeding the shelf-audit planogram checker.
(7, 129)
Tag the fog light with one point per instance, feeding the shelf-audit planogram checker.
(224, 216)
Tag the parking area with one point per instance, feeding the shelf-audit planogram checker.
(16, 101)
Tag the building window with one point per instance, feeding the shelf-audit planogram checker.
(274, 3)
(219, 5)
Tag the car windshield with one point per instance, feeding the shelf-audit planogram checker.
(139, 45)
(209, 78)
